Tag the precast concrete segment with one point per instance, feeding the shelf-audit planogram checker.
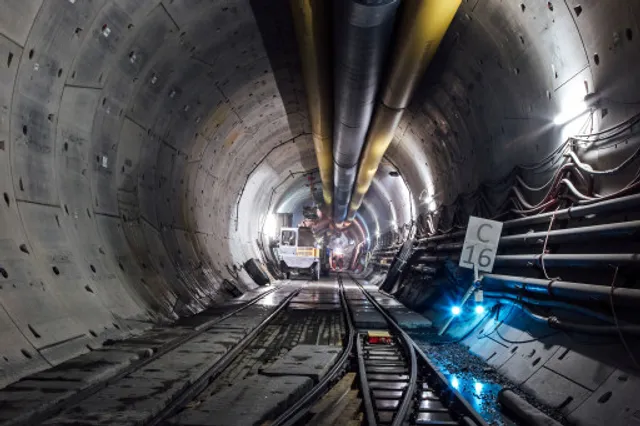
(312, 361)
(304, 343)
(140, 181)
(50, 390)
(185, 353)
(248, 402)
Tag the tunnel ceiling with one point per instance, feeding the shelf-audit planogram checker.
(141, 142)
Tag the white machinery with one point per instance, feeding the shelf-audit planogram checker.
(299, 253)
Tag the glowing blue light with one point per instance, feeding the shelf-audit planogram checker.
(479, 309)
(478, 387)
(454, 382)
(455, 310)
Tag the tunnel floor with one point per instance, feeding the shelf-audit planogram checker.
(133, 381)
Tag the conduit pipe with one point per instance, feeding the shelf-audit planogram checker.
(606, 231)
(621, 295)
(603, 207)
(557, 323)
(568, 260)
(548, 303)
(423, 25)
(362, 32)
(312, 26)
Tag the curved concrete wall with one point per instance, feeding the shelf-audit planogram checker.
(140, 142)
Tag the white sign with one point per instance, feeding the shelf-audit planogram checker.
(480, 244)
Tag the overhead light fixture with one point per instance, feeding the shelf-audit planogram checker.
(479, 309)
(456, 310)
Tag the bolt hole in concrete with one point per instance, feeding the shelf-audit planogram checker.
(117, 327)
(93, 333)
(26, 354)
(33, 331)
(605, 397)
(66, 209)
(536, 361)
(550, 6)
(60, 73)
(578, 10)
(66, 146)
(523, 7)
(6, 199)
(24, 130)
(20, 184)
(9, 59)
(629, 34)
(596, 59)
(564, 354)
(93, 268)
(55, 270)
(566, 402)
(88, 289)
(24, 249)
(31, 52)
(4, 273)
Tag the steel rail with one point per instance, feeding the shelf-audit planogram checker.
(405, 405)
(364, 387)
(457, 403)
(302, 406)
(203, 381)
(48, 412)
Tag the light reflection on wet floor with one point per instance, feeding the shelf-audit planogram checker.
(480, 393)
(482, 397)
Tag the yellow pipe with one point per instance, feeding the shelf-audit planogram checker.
(422, 27)
(311, 22)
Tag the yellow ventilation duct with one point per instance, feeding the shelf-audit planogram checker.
(423, 25)
(312, 25)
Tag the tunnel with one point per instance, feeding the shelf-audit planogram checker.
(152, 151)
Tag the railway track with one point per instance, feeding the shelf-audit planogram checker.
(400, 386)
(107, 401)
(222, 373)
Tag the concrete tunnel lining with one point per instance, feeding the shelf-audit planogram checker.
(128, 129)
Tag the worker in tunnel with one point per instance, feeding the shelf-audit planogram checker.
(146, 146)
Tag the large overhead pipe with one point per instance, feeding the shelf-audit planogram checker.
(362, 32)
(312, 25)
(422, 27)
